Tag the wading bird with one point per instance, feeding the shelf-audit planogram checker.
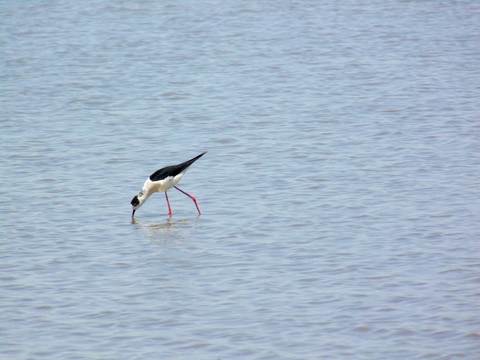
(161, 181)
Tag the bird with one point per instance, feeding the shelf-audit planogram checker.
(162, 180)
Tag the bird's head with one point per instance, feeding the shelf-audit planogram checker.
(137, 202)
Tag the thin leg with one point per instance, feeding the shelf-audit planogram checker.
(191, 197)
(168, 203)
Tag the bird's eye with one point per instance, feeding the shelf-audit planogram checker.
(135, 201)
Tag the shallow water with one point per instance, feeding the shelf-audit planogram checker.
(339, 196)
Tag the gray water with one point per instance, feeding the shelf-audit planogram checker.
(340, 194)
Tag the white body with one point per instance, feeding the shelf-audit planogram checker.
(150, 187)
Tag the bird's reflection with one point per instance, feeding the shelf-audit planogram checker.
(169, 230)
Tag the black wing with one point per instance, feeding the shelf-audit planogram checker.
(173, 170)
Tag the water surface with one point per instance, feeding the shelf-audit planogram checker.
(339, 196)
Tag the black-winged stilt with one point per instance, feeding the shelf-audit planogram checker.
(161, 181)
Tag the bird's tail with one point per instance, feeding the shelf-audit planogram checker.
(191, 161)
(185, 165)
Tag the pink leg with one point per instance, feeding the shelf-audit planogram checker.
(168, 203)
(191, 197)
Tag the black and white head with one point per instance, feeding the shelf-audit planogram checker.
(137, 202)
